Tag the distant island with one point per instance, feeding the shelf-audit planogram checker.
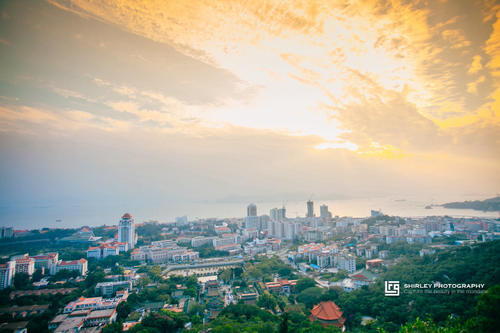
(488, 205)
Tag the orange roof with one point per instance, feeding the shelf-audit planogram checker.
(327, 311)
(126, 216)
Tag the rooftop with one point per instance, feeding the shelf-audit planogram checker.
(328, 311)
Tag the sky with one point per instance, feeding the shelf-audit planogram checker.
(129, 101)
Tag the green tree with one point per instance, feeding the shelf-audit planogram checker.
(195, 308)
(37, 275)
(267, 301)
(21, 281)
(94, 277)
(115, 327)
(310, 296)
(303, 284)
(155, 273)
(123, 310)
(283, 328)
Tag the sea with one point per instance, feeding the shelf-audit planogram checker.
(66, 215)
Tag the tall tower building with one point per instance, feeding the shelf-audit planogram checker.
(278, 214)
(7, 272)
(282, 213)
(324, 213)
(310, 209)
(251, 210)
(126, 230)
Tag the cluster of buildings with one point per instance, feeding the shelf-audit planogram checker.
(107, 249)
(127, 239)
(279, 226)
(265, 245)
(320, 256)
(160, 252)
(87, 314)
(281, 286)
(47, 263)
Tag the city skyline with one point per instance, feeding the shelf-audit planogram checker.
(136, 103)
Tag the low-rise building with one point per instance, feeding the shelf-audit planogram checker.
(328, 314)
(163, 252)
(72, 265)
(46, 261)
(109, 288)
(282, 286)
(95, 303)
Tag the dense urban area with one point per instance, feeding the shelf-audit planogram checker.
(261, 273)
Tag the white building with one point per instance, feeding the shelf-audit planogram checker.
(163, 252)
(25, 265)
(347, 263)
(72, 265)
(7, 272)
(107, 249)
(252, 222)
(291, 230)
(126, 230)
(109, 288)
(46, 261)
(278, 214)
(200, 241)
(225, 240)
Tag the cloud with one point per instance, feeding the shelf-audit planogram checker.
(205, 98)
(472, 86)
(476, 65)
(456, 38)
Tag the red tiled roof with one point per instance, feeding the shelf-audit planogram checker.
(360, 277)
(23, 260)
(328, 311)
(126, 216)
(72, 262)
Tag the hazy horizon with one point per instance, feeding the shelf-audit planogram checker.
(136, 104)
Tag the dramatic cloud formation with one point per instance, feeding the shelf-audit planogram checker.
(251, 96)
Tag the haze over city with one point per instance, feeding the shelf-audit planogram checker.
(112, 106)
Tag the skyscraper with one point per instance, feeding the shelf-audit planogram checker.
(251, 210)
(7, 272)
(126, 230)
(282, 213)
(310, 209)
(324, 213)
(278, 214)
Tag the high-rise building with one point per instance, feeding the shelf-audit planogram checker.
(273, 213)
(324, 213)
(25, 265)
(6, 232)
(282, 213)
(310, 209)
(278, 214)
(126, 230)
(252, 222)
(251, 210)
(7, 272)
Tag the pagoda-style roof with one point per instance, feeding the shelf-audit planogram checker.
(328, 313)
